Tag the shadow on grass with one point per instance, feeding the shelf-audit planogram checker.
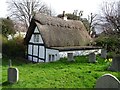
(6, 83)
(15, 61)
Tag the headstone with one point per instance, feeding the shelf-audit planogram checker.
(13, 75)
(70, 56)
(92, 57)
(107, 81)
(103, 53)
(115, 66)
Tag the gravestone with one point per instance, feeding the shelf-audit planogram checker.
(70, 57)
(115, 66)
(92, 57)
(13, 75)
(103, 53)
(108, 81)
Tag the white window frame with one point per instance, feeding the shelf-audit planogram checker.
(36, 37)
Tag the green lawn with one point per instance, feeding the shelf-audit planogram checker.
(60, 74)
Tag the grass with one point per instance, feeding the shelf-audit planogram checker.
(59, 74)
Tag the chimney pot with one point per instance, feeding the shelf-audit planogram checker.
(64, 16)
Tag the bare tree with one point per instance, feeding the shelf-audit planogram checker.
(92, 20)
(111, 14)
(24, 10)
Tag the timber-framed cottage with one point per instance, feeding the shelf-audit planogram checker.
(49, 38)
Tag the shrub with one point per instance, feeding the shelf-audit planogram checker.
(109, 42)
(13, 47)
(111, 54)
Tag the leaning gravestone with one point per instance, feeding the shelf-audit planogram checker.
(70, 57)
(108, 81)
(115, 66)
(13, 75)
(92, 57)
(103, 53)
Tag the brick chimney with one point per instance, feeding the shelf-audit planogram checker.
(64, 16)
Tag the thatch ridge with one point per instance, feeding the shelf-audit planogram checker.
(54, 21)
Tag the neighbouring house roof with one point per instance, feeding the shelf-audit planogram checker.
(57, 33)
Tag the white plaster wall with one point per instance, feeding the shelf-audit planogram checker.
(87, 52)
(32, 38)
(52, 52)
(36, 30)
(30, 58)
(35, 50)
(41, 51)
(35, 59)
(63, 54)
(30, 49)
(79, 53)
(41, 60)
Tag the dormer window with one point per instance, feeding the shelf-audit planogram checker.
(36, 37)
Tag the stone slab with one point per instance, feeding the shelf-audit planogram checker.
(70, 57)
(115, 65)
(13, 75)
(92, 57)
(103, 53)
(108, 81)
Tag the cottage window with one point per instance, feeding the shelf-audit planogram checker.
(51, 57)
(36, 38)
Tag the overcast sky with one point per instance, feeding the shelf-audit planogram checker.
(87, 6)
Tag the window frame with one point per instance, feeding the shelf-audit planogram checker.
(36, 38)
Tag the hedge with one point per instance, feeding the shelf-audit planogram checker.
(13, 47)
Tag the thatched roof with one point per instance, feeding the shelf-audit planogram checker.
(57, 32)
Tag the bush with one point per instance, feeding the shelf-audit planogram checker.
(111, 54)
(109, 42)
(13, 47)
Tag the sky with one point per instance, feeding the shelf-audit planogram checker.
(87, 6)
(3, 8)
